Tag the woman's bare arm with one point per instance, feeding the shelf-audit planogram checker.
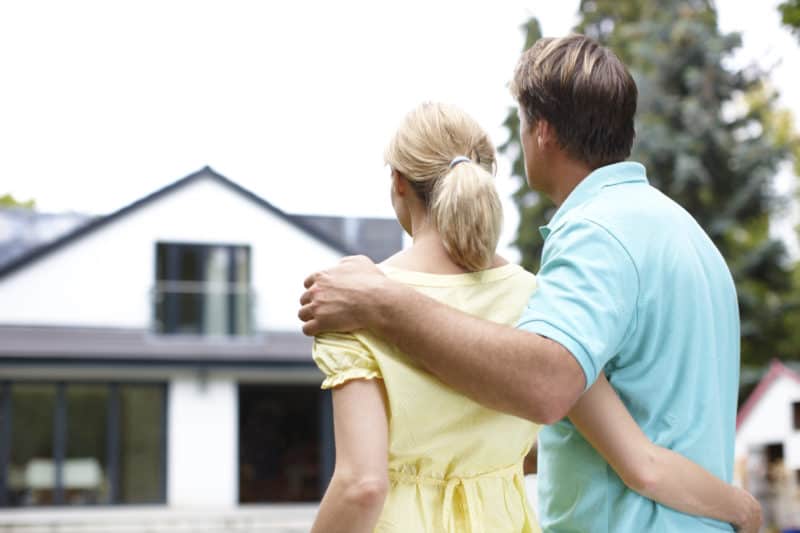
(355, 496)
(656, 472)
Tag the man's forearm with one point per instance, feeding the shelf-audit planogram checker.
(498, 366)
(678, 483)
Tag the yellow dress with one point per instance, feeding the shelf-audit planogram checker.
(454, 465)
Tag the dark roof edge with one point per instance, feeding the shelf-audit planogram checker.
(41, 251)
(156, 362)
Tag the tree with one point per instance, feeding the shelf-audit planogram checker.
(534, 208)
(790, 14)
(9, 201)
(705, 136)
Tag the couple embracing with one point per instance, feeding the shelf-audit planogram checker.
(618, 363)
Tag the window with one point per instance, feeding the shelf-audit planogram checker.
(773, 455)
(142, 444)
(85, 477)
(774, 452)
(203, 289)
(30, 476)
(81, 444)
(796, 414)
(285, 443)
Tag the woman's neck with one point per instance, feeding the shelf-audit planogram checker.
(428, 251)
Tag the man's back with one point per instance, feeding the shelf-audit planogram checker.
(675, 361)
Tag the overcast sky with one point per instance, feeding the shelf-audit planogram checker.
(102, 102)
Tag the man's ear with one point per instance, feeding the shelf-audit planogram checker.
(545, 135)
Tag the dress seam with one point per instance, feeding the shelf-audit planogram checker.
(506, 473)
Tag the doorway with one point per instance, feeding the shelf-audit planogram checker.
(285, 443)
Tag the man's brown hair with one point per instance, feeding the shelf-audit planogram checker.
(584, 92)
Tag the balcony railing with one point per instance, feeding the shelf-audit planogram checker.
(203, 308)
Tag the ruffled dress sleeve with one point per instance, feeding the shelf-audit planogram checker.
(342, 357)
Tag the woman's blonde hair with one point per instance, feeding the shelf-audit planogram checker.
(461, 199)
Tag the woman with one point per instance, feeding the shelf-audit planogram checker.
(412, 455)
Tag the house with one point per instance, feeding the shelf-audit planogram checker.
(767, 448)
(152, 368)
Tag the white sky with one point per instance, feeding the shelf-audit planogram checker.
(102, 102)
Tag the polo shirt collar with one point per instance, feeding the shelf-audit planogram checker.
(614, 174)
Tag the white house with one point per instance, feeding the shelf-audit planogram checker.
(768, 444)
(152, 368)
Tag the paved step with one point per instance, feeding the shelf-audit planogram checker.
(246, 519)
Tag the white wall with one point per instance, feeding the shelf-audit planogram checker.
(791, 451)
(105, 277)
(202, 449)
(771, 421)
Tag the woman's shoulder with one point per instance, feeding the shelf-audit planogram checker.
(411, 267)
(417, 260)
(398, 260)
(518, 272)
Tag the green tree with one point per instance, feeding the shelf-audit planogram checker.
(9, 201)
(705, 136)
(534, 208)
(790, 14)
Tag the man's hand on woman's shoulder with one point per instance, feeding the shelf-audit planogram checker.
(342, 298)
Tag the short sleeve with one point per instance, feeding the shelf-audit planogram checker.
(586, 298)
(342, 357)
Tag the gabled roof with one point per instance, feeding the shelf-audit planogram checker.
(300, 222)
(23, 229)
(776, 370)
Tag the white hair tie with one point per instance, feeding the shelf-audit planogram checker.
(459, 159)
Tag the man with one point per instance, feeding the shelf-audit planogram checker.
(629, 285)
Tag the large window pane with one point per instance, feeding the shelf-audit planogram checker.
(244, 304)
(216, 292)
(188, 312)
(79, 444)
(86, 477)
(279, 443)
(180, 271)
(202, 289)
(177, 262)
(30, 473)
(141, 450)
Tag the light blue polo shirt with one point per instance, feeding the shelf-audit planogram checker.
(632, 285)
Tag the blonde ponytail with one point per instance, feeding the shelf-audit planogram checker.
(466, 210)
(462, 200)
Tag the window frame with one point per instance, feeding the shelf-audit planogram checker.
(796, 415)
(60, 444)
(170, 311)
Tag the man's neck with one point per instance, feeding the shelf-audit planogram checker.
(567, 174)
